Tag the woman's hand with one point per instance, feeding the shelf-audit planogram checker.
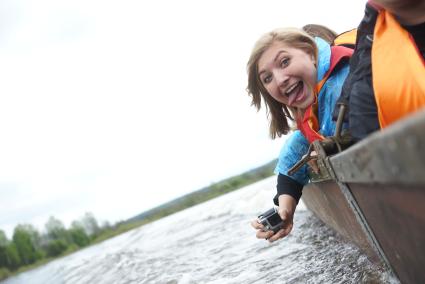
(261, 234)
(287, 205)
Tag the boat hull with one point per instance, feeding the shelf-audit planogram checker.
(374, 195)
(327, 201)
(396, 215)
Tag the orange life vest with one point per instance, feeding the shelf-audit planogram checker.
(398, 71)
(347, 38)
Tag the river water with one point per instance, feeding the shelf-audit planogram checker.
(214, 243)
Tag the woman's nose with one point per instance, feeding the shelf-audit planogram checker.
(281, 79)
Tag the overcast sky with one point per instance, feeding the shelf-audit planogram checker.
(115, 107)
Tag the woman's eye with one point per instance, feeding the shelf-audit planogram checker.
(267, 79)
(284, 62)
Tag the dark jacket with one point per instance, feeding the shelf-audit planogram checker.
(357, 91)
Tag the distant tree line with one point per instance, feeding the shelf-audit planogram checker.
(28, 246)
(214, 190)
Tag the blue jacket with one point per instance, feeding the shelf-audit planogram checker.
(296, 145)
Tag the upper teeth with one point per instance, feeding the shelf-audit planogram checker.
(291, 88)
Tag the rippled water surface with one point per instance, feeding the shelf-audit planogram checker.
(213, 243)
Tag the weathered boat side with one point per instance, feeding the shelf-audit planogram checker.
(328, 202)
(386, 176)
(396, 215)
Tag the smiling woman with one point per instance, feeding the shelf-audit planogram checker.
(281, 60)
(299, 78)
(283, 71)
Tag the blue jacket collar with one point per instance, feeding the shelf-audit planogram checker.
(324, 57)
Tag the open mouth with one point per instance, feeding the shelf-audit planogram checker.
(295, 93)
(294, 88)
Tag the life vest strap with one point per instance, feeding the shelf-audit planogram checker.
(309, 125)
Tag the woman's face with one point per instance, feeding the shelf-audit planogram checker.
(286, 73)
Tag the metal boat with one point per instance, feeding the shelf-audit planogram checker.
(373, 194)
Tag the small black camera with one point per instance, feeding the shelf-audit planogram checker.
(270, 220)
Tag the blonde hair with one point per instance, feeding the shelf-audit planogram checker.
(277, 112)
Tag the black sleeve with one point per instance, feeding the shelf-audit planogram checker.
(357, 91)
(286, 185)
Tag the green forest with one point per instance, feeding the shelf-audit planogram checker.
(28, 248)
